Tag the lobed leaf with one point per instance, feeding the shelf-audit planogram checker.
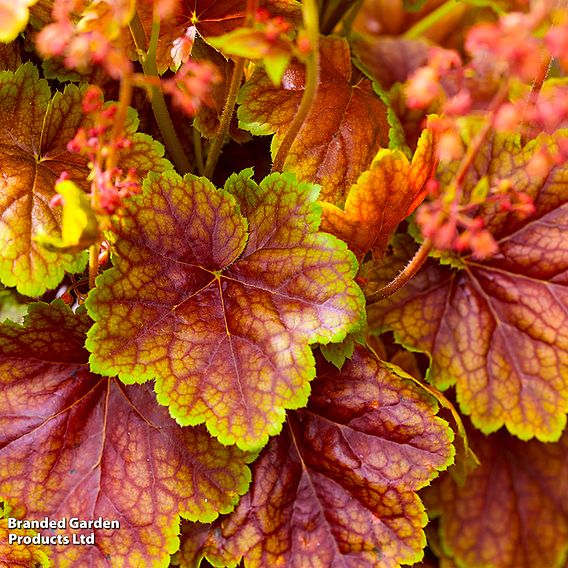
(512, 510)
(221, 309)
(382, 197)
(75, 444)
(337, 486)
(342, 133)
(79, 224)
(497, 329)
(33, 155)
(211, 18)
(254, 44)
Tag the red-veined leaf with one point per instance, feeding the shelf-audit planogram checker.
(221, 308)
(75, 444)
(337, 486)
(340, 136)
(498, 329)
(33, 154)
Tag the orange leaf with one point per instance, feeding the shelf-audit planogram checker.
(340, 136)
(497, 328)
(338, 486)
(382, 197)
(17, 553)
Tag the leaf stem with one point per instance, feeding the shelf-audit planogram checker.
(230, 102)
(536, 88)
(198, 150)
(94, 250)
(124, 100)
(310, 13)
(405, 276)
(475, 146)
(424, 24)
(157, 100)
(226, 116)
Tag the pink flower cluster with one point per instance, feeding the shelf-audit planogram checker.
(79, 48)
(191, 86)
(110, 186)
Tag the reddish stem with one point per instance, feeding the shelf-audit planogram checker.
(405, 276)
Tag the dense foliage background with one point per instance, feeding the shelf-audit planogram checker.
(284, 284)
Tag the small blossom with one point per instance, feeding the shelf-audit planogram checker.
(422, 88)
(165, 8)
(182, 47)
(556, 41)
(191, 87)
(56, 201)
(275, 27)
(539, 164)
(53, 39)
(483, 245)
(450, 146)
(93, 100)
(445, 236)
(303, 43)
(459, 105)
(508, 46)
(507, 118)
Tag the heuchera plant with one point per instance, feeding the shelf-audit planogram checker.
(284, 284)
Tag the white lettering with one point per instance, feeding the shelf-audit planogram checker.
(73, 523)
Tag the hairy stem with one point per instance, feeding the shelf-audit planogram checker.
(475, 146)
(310, 13)
(226, 116)
(405, 276)
(198, 150)
(430, 20)
(229, 108)
(536, 88)
(157, 100)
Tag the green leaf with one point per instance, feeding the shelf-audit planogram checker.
(33, 155)
(413, 5)
(13, 306)
(254, 44)
(338, 486)
(76, 444)
(219, 308)
(15, 556)
(337, 353)
(79, 225)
